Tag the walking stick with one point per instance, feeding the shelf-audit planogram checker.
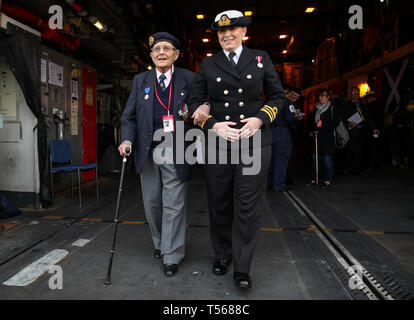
(108, 275)
(316, 157)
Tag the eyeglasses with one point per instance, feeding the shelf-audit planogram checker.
(164, 48)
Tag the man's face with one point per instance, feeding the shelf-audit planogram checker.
(231, 38)
(163, 55)
(354, 94)
(293, 96)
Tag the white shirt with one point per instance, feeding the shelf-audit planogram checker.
(238, 52)
(167, 75)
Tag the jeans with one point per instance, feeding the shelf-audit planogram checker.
(328, 166)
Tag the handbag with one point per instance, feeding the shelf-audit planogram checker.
(341, 134)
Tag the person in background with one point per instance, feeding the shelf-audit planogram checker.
(323, 120)
(375, 140)
(360, 124)
(282, 142)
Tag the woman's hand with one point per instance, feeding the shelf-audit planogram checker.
(251, 126)
(225, 131)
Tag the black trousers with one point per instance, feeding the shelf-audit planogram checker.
(236, 206)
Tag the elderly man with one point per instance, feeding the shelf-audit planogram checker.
(156, 99)
(232, 82)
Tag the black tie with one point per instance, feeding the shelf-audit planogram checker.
(231, 55)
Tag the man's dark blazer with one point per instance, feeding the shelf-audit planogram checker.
(137, 118)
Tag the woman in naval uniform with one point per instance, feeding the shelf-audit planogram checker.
(227, 98)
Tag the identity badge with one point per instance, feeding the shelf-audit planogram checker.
(168, 123)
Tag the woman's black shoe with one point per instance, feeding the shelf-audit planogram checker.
(242, 280)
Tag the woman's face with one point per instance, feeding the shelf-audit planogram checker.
(324, 97)
(231, 38)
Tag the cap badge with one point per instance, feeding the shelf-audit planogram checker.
(224, 21)
(151, 40)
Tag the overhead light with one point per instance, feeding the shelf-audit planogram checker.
(284, 51)
(248, 13)
(209, 54)
(245, 38)
(98, 24)
(200, 16)
(283, 36)
(206, 40)
(310, 9)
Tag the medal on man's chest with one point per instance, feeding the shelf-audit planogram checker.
(259, 61)
(147, 90)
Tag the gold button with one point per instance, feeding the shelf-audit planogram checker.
(249, 76)
(218, 79)
(240, 90)
(226, 92)
(227, 117)
(227, 104)
(147, 148)
(241, 104)
(242, 116)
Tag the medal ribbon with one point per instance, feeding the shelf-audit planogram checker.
(156, 93)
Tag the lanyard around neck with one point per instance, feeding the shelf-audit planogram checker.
(156, 92)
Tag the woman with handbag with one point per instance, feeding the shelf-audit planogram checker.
(322, 123)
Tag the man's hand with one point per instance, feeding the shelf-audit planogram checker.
(353, 124)
(122, 148)
(224, 130)
(201, 114)
(251, 126)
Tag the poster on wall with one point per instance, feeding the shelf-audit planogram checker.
(55, 74)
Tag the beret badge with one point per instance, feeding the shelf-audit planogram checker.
(151, 40)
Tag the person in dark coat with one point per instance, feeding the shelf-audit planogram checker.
(374, 140)
(322, 122)
(156, 100)
(233, 82)
(282, 142)
(357, 131)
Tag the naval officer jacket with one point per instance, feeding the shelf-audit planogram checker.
(237, 93)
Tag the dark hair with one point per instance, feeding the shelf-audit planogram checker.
(327, 90)
(296, 90)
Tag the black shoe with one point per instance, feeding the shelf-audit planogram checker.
(221, 266)
(157, 254)
(242, 280)
(170, 269)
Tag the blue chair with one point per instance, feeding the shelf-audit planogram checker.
(61, 161)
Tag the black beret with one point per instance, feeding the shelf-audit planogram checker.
(230, 18)
(164, 36)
